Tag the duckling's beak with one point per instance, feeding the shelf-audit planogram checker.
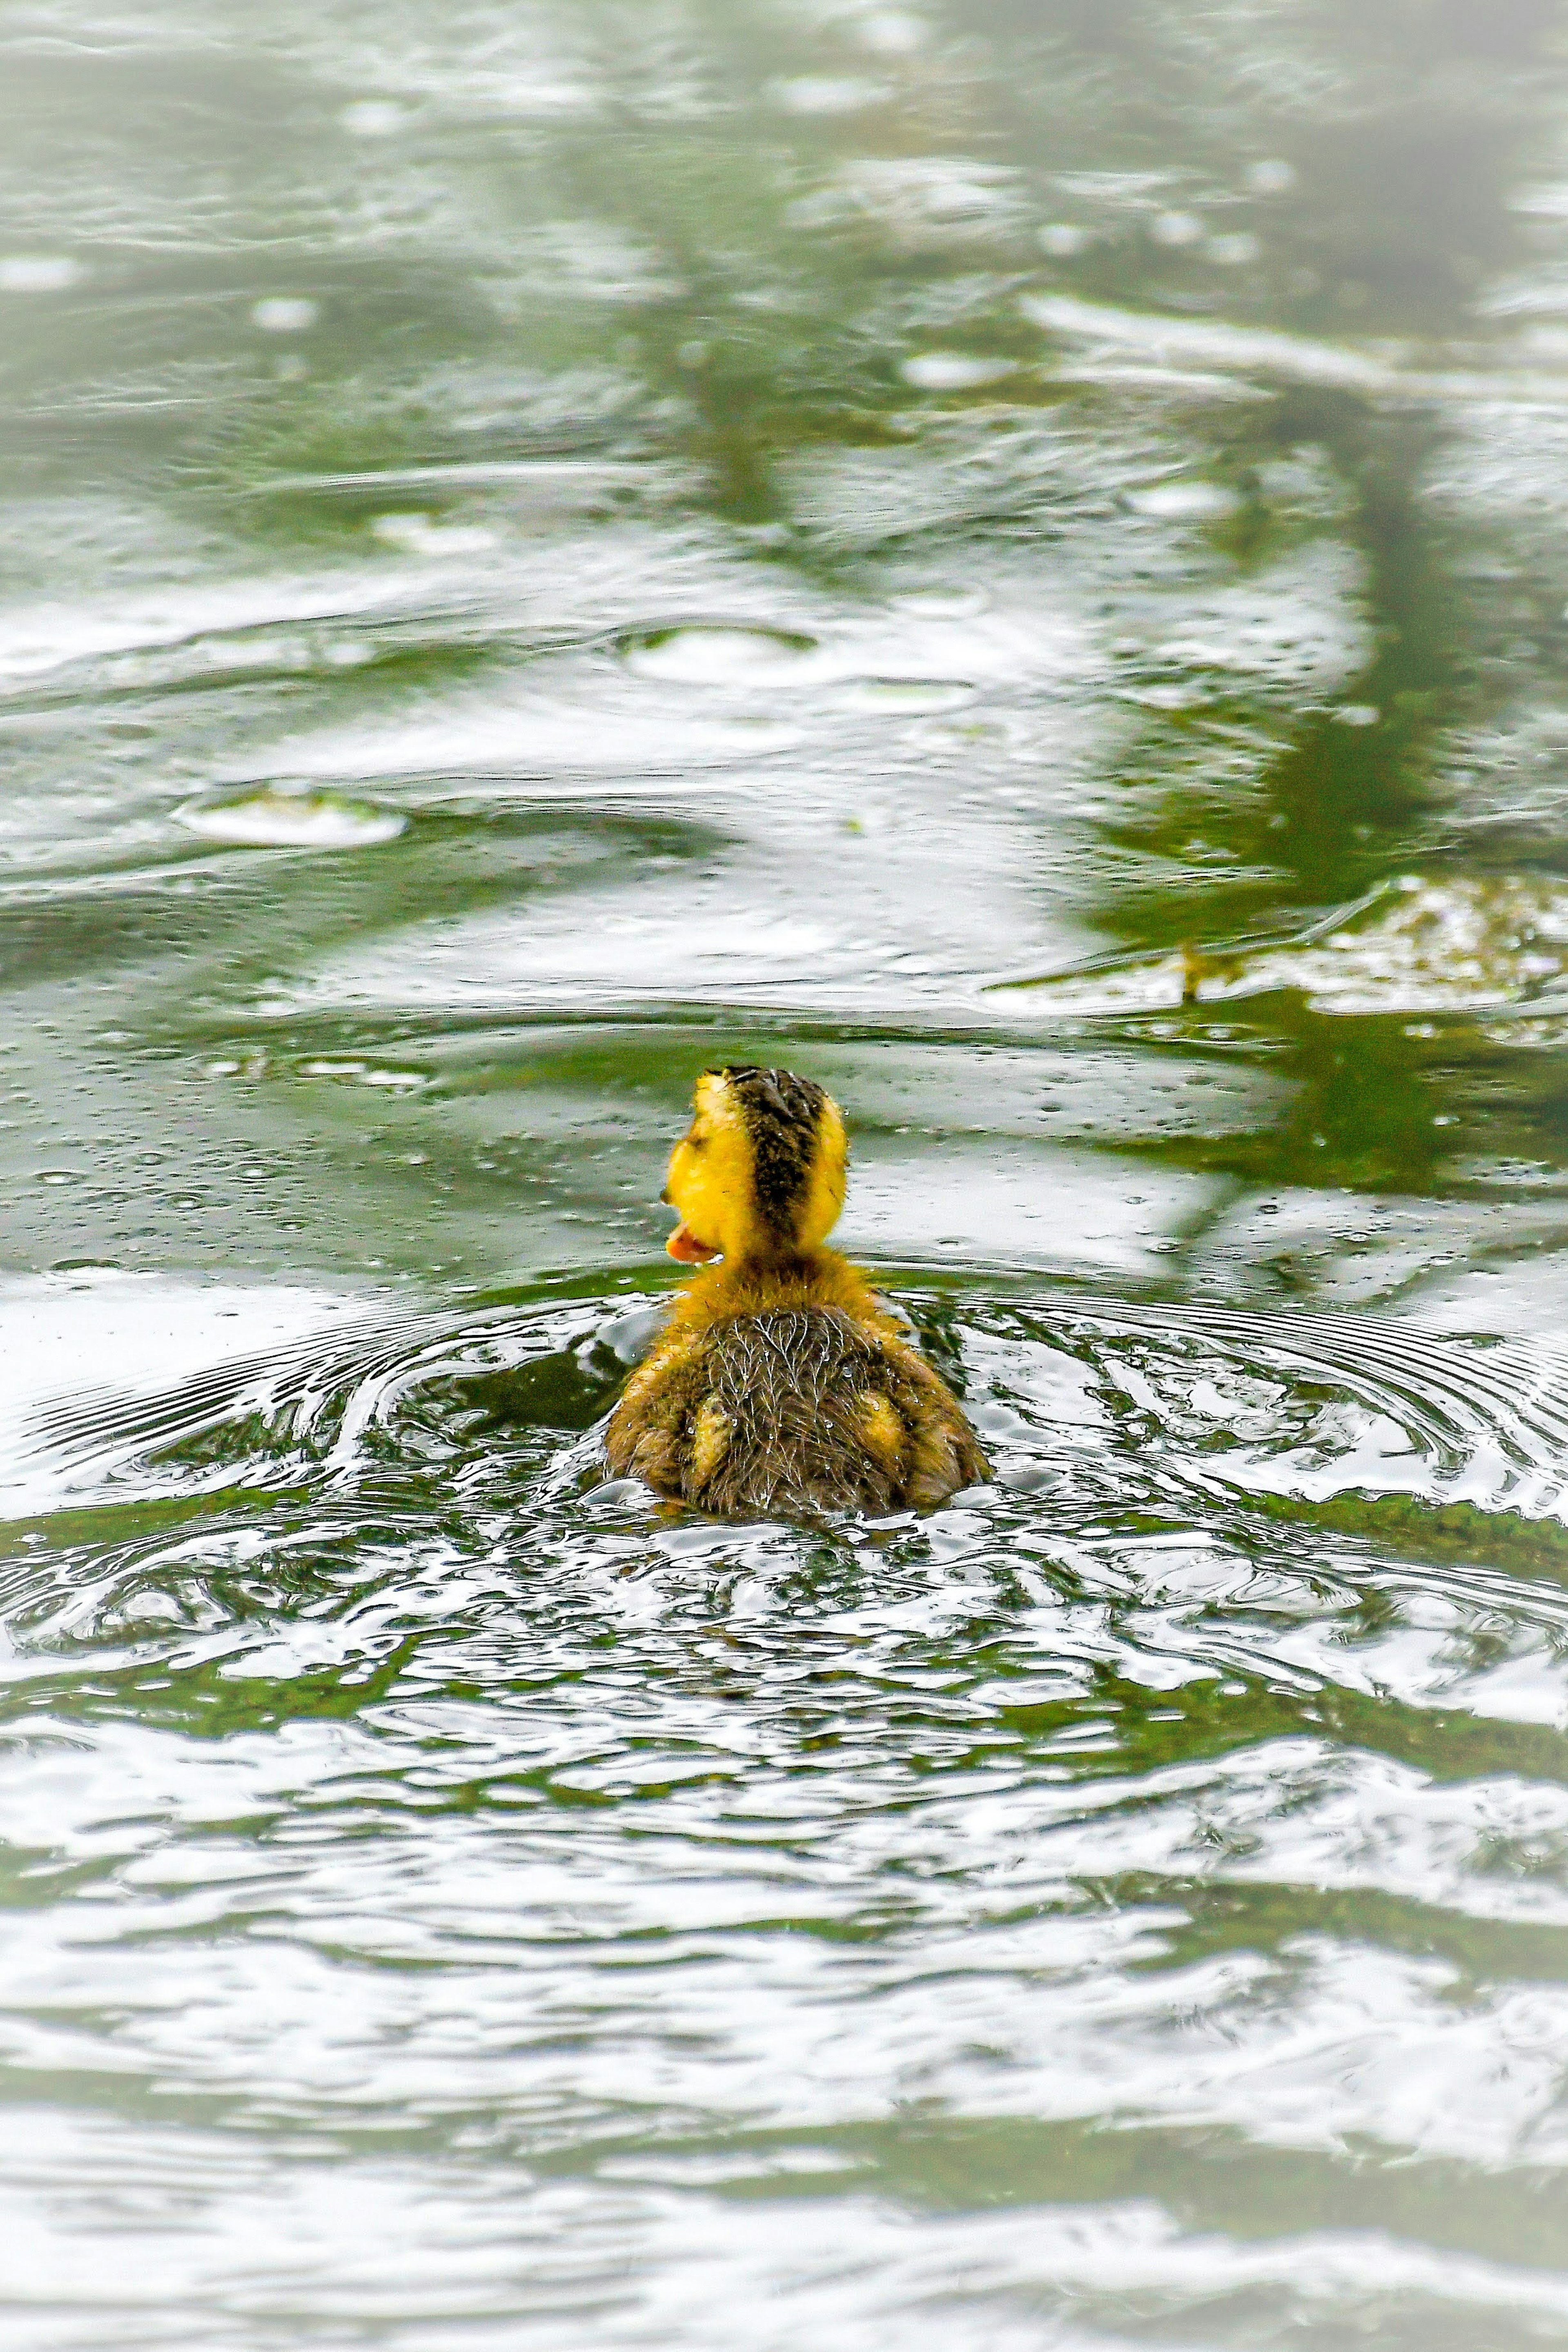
(684, 1246)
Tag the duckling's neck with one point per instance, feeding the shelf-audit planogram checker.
(755, 1281)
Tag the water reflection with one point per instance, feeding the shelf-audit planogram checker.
(541, 550)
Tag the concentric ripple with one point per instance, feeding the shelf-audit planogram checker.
(470, 1791)
(1195, 1414)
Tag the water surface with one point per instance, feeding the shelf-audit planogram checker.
(1011, 560)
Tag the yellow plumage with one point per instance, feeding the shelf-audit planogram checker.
(778, 1383)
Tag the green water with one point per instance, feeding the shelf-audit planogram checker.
(1014, 560)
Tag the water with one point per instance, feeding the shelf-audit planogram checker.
(1013, 561)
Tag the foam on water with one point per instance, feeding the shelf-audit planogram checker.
(1415, 945)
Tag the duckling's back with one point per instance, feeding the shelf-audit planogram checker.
(790, 1409)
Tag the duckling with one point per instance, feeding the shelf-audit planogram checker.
(779, 1386)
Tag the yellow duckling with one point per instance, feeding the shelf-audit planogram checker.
(779, 1384)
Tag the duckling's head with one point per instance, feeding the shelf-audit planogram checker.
(760, 1172)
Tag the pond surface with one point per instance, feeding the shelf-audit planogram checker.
(1013, 560)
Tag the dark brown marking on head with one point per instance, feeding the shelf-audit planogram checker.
(783, 1116)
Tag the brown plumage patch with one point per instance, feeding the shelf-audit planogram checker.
(782, 1114)
(818, 1412)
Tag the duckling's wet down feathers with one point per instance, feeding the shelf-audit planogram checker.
(780, 1384)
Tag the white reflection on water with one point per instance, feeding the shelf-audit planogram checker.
(648, 1926)
(693, 1862)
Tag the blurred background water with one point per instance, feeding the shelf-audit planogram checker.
(543, 546)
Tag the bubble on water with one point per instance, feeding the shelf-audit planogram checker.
(373, 117)
(1356, 714)
(1271, 176)
(277, 818)
(39, 273)
(905, 694)
(826, 94)
(1184, 501)
(285, 314)
(1176, 229)
(715, 653)
(954, 371)
(422, 534)
(1233, 250)
(1062, 239)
